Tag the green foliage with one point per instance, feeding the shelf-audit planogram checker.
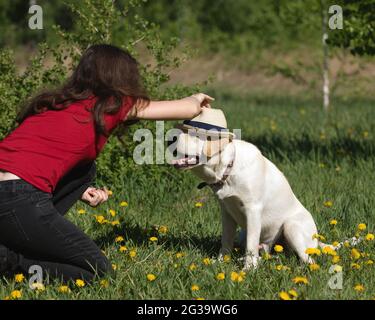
(358, 33)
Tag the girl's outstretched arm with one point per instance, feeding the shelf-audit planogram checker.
(186, 108)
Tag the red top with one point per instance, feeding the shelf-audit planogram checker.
(48, 145)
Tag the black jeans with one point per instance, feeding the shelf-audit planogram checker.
(33, 227)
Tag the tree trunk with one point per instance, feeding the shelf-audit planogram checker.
(325, 56)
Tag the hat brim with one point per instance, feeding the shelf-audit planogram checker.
(211, 132)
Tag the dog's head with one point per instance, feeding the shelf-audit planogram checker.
(194, 149)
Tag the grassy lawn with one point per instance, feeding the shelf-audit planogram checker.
(330, 165)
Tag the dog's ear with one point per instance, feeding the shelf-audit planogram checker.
(214, 145)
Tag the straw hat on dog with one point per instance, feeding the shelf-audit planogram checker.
(210, 122)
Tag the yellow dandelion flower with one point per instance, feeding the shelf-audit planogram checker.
(16, 294)
(199, 299)
(194, 287)
(38, 286)
(153, 239)
(100, 219)
(112, 212)
(359, 288)
(369, 262)
(278, 248)
(313, 251)
(329, 251)
(346, 244)
(298, 280)
(369, 237)
(123, 249)
(318, 237)
(110, 192)
(362, 227)
(355, 266)
(19, 277)
(234, 276)
(198, 204)
(281, 267)
(163, 229)
(123, 204)
(80, 283)
(132, 253)
(179, 255)
(192, 267)
(151, 277)
(114, 267)
(335, 243)
(119, 239)
(293, 293)
(314, 267)
(226, 258)
(81, 211)
(335, 259)
(115, 223)
(64, 289)
(104, 283)
(206, 261)
(220, 276)
(355, 254)
(328, 204)
(284, 295)
(242, 273)
(333, 222)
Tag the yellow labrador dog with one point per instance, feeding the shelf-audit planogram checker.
(253, 193)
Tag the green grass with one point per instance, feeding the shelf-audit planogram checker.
(324, 159)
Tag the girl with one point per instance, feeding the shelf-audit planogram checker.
(47, 162)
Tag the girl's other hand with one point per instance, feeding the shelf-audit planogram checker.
(94, 196)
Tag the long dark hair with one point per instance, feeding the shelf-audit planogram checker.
(106, 72)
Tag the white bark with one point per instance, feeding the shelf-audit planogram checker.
(325, 57)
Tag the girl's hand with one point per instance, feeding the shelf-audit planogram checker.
(203, 99)
(94, 196)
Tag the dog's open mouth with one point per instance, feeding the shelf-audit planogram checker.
(185, 162)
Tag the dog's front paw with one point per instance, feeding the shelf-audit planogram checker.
(251, 262)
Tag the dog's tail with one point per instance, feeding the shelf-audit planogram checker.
(352, 242)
